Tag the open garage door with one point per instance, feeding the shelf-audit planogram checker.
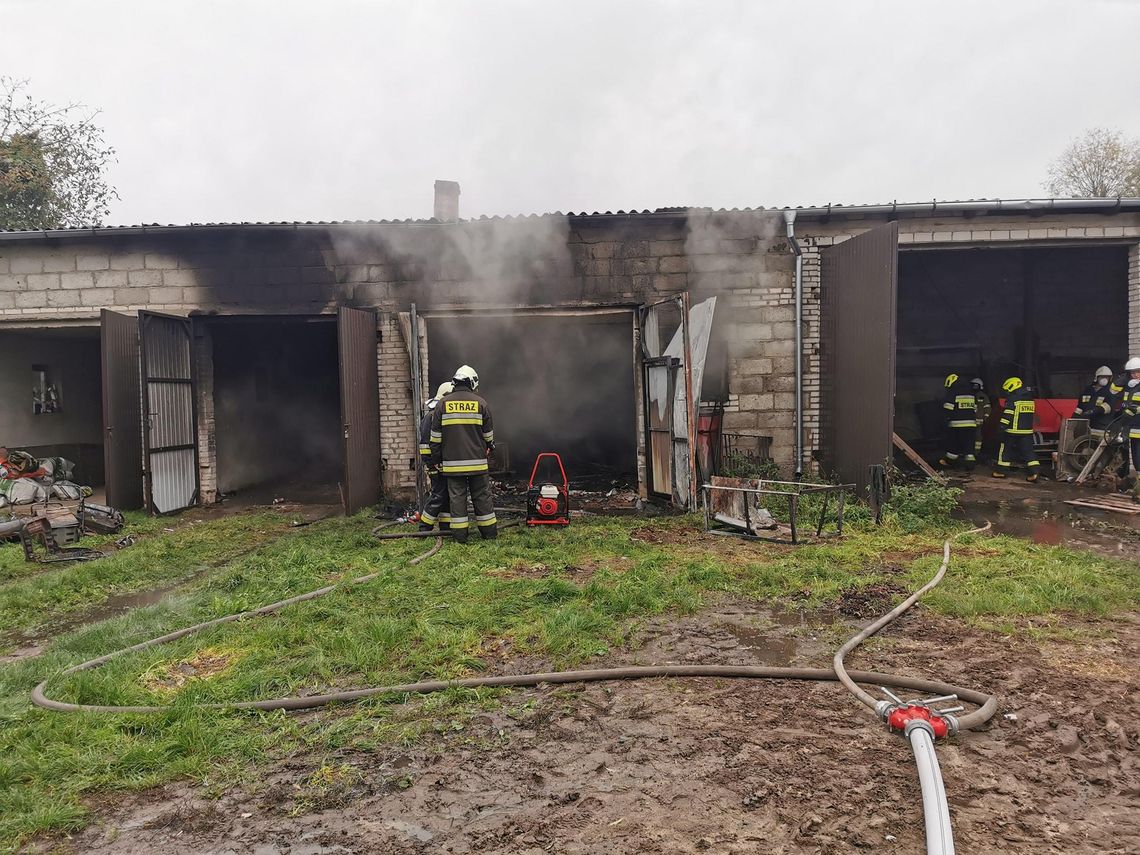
(168, 399)
(359, 408)
(858, 299)
(122, 427)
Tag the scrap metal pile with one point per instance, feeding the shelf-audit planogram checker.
(47, 511)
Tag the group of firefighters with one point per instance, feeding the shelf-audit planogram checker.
(457, 438)
(967, 407)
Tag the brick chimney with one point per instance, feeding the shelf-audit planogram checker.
(447, 201)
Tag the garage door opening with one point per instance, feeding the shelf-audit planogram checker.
(1050, 316)
(52, 391)
(562, 383)
(277, 408)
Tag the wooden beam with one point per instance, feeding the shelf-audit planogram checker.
(913, 457)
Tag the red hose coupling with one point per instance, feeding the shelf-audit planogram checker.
(899, 717)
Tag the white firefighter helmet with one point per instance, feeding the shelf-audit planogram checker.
(467, 375)
(1103, 371)
(978, 383)
(440, 393)
(1132, 364)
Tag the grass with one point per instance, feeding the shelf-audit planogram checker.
(451, 615)
(34, 595)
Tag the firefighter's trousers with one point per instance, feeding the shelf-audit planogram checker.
(960, 445)
(1017, 448)
(1131, 451)
(437, 507)
(479, 487)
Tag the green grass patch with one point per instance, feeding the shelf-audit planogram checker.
(36, 595)
(452, 615)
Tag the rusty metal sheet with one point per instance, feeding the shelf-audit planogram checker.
(170, 434)
(122, 425)
(359, 408)
(857, 383)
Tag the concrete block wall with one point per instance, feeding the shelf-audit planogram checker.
(741, 257)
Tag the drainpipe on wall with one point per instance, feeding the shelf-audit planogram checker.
(790, 220)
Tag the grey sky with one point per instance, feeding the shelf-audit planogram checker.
(287, 109)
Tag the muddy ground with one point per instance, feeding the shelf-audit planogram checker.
(678, 766)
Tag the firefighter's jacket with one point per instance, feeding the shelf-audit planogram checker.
(1084, 402)
(462, 432)
(1130, 406)
(425, 435)
(1099, 410)
(1018, 414)
(960, 406)
(983, 407)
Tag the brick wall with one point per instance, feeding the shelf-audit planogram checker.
(398, 442)
(207, 438)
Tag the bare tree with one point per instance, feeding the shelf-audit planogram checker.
(1100, 162)
(52, 163)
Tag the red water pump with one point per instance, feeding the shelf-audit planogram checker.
(548, 502)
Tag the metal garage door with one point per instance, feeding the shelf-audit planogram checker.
(359, 408)
(122, 424)
(857, 384)
(168, 400)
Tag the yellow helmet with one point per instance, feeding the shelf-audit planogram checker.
(1012, 384)
(951, 380)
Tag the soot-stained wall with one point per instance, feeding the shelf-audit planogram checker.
(276, 402)
(561, 384)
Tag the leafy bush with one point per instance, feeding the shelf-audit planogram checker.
(918, 506)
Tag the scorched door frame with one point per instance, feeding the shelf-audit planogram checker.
(689, 500)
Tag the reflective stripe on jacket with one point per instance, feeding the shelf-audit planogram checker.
(462, 431)
(1018, 414)
(425, 436)
(960, 405)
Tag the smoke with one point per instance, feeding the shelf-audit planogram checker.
(563, 384)
(276, 404)
(727, 249)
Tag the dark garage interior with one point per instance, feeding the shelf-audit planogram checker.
(51, 387)
(277, 407)
(1050, 316)
(554, 383)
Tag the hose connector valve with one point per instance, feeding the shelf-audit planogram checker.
(912, 715)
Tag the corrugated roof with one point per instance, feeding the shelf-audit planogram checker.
(889, 209)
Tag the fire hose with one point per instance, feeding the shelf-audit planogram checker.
(918, 720)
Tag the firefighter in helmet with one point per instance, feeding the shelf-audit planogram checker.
(960, 407)
(436, 508)
(1016, 423)
(1096, 402)
(461, 439)
(1130, 408)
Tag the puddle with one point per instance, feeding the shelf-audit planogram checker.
(1056, 524)
(775, 641)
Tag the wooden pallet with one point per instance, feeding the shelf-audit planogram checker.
(1115, 503)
